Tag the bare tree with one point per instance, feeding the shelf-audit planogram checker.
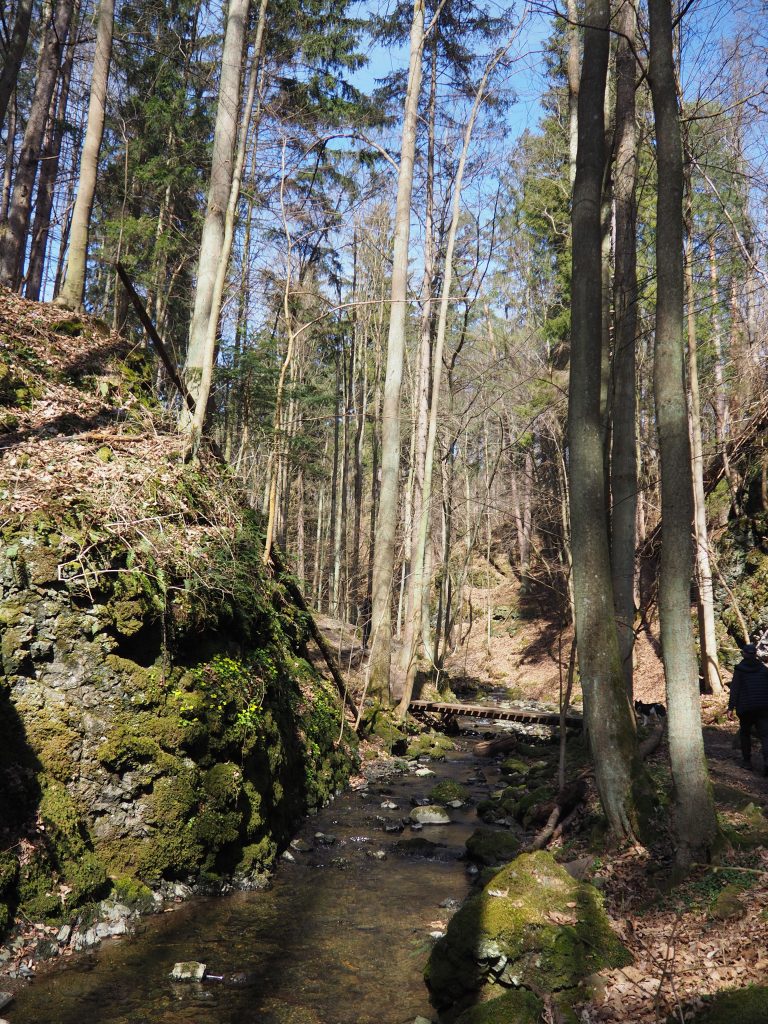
(13, 233)
(696, 824)
(606, 705)
(200, 353)
(386, 521)
(71, 296)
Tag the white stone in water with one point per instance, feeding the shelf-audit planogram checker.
(423, 772)
(189, 970)
(389, 805)
(432, 814)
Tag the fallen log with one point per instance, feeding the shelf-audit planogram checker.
(500, 745)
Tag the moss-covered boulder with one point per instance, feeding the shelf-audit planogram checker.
(490, 847)
(430, 744)
(736, 1006)
(532, 926)
(448, 792)
(518, 1006)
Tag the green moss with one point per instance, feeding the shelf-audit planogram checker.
(430, 744)
(490, 847)
(447, 791)
(517, 1006)
(223, 783)
(133, 894)
(532, 925)
(127, 747)
(737, 1006)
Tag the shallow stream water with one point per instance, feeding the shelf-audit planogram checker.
(341, 936)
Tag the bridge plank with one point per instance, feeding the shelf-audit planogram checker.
(494, 712)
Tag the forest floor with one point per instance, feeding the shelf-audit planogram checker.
(692, 938)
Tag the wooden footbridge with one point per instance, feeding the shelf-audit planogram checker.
(445, 714)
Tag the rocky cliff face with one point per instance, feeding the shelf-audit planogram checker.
(159, 717)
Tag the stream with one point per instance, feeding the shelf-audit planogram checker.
(341, 936)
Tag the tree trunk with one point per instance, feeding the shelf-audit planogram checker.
(5, 198)
(422, 525)
(71, 295)
(200, 353)
(13, 233)
(696, 824)
(710, 669)
(14, 55)
(624, 434)
(607, 709)
(386, 523)
(46, 185)
(423, 388)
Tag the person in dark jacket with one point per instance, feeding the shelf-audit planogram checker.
(749, 699)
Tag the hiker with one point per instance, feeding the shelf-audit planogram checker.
(749, 699)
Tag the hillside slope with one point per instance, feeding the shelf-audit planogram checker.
(159, 717)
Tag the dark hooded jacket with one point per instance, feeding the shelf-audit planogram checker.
(749, 689)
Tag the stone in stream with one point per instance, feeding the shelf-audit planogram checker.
(423, 772)
(324, 839)
(394, 828)
(300, 845)
(389, 805)
(418, 847)
(432, 814)
(189, 970)
(5, 998)
(420, 801)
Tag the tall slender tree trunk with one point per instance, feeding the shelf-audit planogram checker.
(46, 186)
(422, 526)
(386, 523)
(423, 388)
(13, 233)
(573, 86)
(200, 353)
(5, 198)
(624, 433)
(606, 705)
(710, 668)
(71, 295)
(14, 54)
(696, 824)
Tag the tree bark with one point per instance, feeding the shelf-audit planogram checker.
(14, 55)
(46, 185)
(200, 354)
(710, 669)
(423, 387)
(422, 525)
(607, 709)
(624, 435)
(696, 824)
(13, 233)
(71, 295)
(386, 523)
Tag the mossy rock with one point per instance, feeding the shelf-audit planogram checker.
(535, 796)
(514, 766)
(489, 847)
(728, 905)
(447, 791)
(517, 1006)
(735, 1006)
(531, 926)
(430, 744)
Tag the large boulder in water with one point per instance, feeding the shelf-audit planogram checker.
(532, 927)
